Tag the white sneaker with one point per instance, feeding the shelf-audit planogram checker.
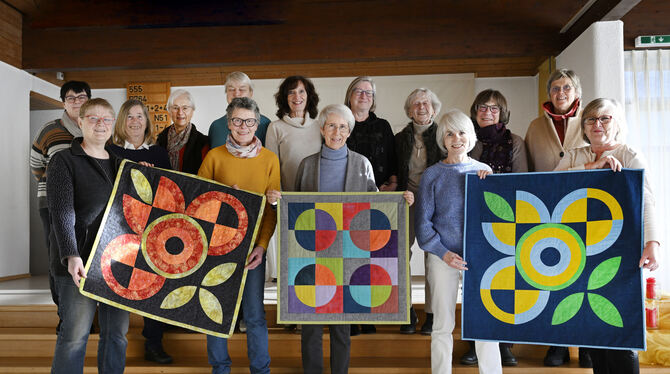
(243, 326)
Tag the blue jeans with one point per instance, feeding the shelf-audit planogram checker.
(257, 329)
(77, 312)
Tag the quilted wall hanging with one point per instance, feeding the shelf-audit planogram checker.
(553, 259)
(343, 258)
(173, 247)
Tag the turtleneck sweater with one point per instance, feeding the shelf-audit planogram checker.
(332, 169)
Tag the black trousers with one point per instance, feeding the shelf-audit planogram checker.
(614, 361)
(46, 226)
(312, 348)
(153, 332)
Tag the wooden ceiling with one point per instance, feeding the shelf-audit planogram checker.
(111, 42)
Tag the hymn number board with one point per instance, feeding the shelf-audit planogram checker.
(154, 95)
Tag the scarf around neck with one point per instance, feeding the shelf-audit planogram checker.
(560, 120)
(497, 147)
(175, 142)
(244, 151)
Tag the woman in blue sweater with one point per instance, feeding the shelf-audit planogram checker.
(439, 230)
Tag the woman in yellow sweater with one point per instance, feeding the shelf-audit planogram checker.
(244, 163)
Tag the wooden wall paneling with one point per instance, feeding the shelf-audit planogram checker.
(10, 35)
(215, 75)
(42, 102)
(649, 17)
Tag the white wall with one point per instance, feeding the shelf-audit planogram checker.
(597, 58)
(14, 153)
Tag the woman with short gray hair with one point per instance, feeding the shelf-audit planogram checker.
(416, 149)
(186, 145)
(333, 169)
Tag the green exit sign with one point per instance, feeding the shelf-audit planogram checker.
(652, 41)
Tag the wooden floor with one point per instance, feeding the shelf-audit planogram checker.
(28, 336)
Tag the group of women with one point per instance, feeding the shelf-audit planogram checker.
(342, 148)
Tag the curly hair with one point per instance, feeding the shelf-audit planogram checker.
(281, 97)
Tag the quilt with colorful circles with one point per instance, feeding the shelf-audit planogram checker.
(172, 247)
(553, 259)
(343, 258)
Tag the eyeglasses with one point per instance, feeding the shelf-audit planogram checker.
(493, 108)
(556, 89)
(343, 128)
(603, 120)
(367, 93)
(81, 98)
(248, 122)
(94, 120)
(183, 108)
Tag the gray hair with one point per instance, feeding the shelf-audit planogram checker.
(243, 103)
(239, 77)
(437, 104)
(177, 93)
(352, 85)
(616, 110)
(565, 73)
(337, 109)
(455, 121)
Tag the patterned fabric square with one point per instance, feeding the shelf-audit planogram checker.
(343, 258)
(553, 259)
(172, 247)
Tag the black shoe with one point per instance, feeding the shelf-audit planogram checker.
(368, 329)
(470, 358)
(584, 359)
(557, 356)
(156, 354)
(506, 356)
(427, 327)
(354, 331)
(411, 327)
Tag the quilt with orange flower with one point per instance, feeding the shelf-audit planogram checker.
(173, 247)
(553, 259)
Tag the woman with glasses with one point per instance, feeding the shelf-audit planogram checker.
(557, 130)
(548, 138)
(416, 149)
(243, 163)
(133, 139)
(604, 126)
(373, 138)
(335, 168)
(81, 180)
(503, 152)
(295, 134)
(186, 146)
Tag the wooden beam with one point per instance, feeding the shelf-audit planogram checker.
(545, 69)
(10, 35)
(649, 17)
(215, 75)
(596, 12)
(42, 102)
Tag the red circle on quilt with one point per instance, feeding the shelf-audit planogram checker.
(142, 284)
(191, 235)
(224, 239)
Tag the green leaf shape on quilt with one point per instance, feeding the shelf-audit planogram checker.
(604, 273)
(567, 308)
(211, 305)
(178, 297)
(605, 310)
(219, 274)
(142, 186)
(499, 206)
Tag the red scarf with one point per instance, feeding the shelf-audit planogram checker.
(560, 120)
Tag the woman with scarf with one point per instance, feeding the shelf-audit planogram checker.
(186, 146)
(243, 163)
(548, 139)
(504, 152)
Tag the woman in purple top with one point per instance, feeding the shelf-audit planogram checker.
(439, 230)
